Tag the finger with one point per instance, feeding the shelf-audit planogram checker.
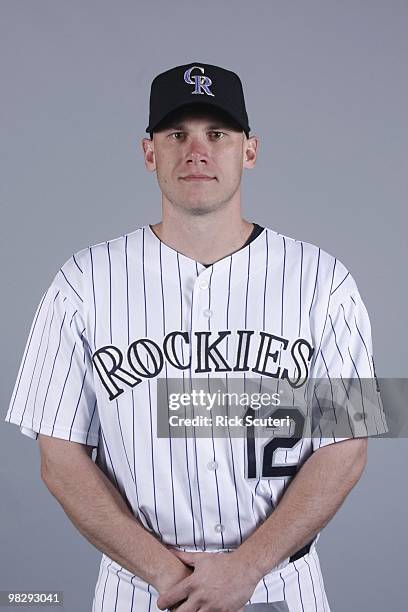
(174, 595)
(188, 558)
(191, 556)
(187, 606)
(176, 607)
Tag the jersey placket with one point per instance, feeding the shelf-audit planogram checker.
(206, 464)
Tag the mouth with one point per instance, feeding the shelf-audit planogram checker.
(194, 178)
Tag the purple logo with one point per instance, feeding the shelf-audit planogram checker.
(200, 81)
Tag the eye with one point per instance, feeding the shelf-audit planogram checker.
(217, 134)
(175, 135)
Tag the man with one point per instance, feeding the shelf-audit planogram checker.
(204, 295)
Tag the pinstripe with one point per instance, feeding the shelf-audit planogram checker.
(356, 371)
(364, 344)
(63, 388)
(185, 429)
(227, 387)
(34, 369)
(110, 291)
(331, 387)
(361, 390)
(148, 387)
(281, 321)
(345, 319)
(70, 284)
(194, 433)
(127, 290)
(27, 350)
(300, 321)
(64, 385)
(96, 591)
(212, 427)
(76, 263)
(315, 283)
(53, 365)
(165, 369)
(284, 586)
(244, 376)
(321, 414)
(310, 311)
(111, 341)
(90, 422)
(283, 282)
(340, 284)
(110, 459)
(271, 498)
(266, 589)
(342, 361)
(300, 588)
(264, 315)
(335, 339)
(311, 580)
(132, 392)
(83, 378)
(320, 582)
(93, 293)
(104, 588)
(327, 310)
(117, 588)
(266, 276)
(45, 355)
(150, 599)
(133, 594)
(123, 442)
(152, 462)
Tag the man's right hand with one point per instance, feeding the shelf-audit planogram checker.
(174, 574)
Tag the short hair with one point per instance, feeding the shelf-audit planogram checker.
(197, 109)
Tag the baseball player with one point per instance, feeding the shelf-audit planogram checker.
(209, 523)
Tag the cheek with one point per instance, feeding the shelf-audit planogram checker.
(230, 168)
(166, 169)
(163, 170)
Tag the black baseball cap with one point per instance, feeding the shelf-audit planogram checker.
(197, 83)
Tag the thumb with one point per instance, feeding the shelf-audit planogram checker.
(186, 557)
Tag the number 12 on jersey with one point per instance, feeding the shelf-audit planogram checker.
(268, 465)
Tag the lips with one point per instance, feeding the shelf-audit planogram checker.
(197, 177)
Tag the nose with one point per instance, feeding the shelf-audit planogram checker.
(197, 151)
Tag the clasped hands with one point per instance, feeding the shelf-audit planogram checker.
(215, 582)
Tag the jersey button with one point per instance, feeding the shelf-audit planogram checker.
(208, 313)
(203, 284)
(219, 528)
(212, 465)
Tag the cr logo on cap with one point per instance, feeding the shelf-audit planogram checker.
(200, 81)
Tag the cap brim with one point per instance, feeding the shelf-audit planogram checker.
(193, 102)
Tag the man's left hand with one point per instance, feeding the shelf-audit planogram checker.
(219, 583)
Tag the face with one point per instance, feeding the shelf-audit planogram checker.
(199, 159)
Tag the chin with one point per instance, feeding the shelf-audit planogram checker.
(200, 208)
(199, 212)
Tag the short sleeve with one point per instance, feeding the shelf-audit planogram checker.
(54, 392)
(346, 397)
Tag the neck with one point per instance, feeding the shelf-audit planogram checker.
(204, 238)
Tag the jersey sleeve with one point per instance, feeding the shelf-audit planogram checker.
(346, 399)
(54, 391)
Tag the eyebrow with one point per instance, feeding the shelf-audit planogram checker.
(213, 126)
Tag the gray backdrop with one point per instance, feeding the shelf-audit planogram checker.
(326, 91)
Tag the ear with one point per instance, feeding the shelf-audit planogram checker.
(250, 151)
(148, 152)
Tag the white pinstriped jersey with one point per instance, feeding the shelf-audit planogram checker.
(121, 314)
